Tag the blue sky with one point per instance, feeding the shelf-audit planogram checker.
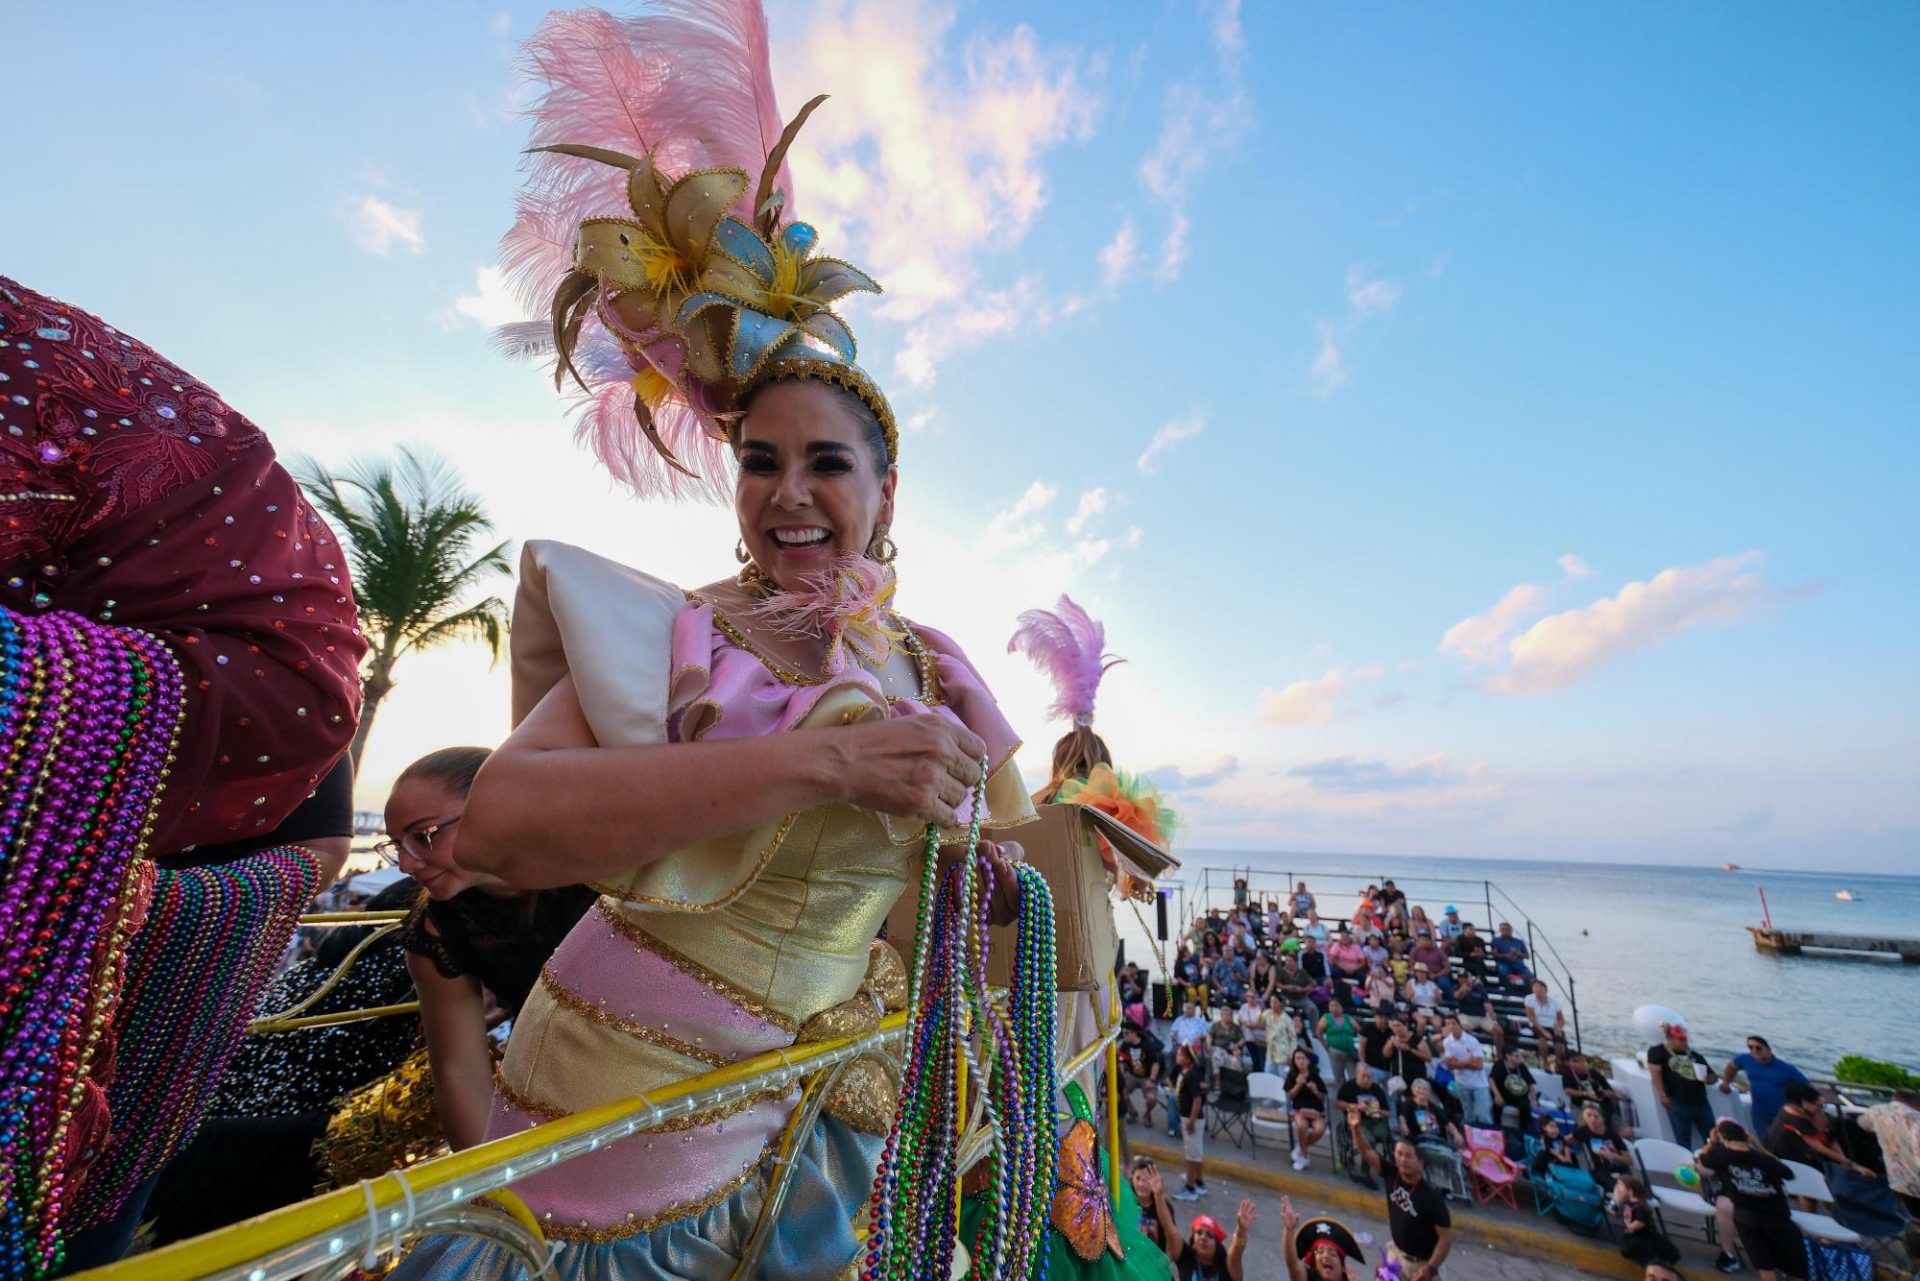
(1534, 389)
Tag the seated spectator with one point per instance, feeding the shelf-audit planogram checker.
(1363, 1104)
(1314, 961)
(1307, 1097)
(1432, 1121)
(1393, 902)
(1451, 926)
(1466, 1058)
(1417, 920)
(1315, 929)
(1192, 979)
(1346, 959)
(1229, 980)
(1141, 1056)
(1251, 1019)
(1470, 1000)
(1510, 958)
(1381, 989)
(1223, 1032)
(1643, 1242)
(1428, 953)
(1513, 1087)
(1294, 986)
(1471, 951)
(1399, 963)
(1374, 948)
(1190, 1028)
(1582, 1085)
(1549, 1020)
(1800, 1133)
(1262, 976)
(1556, 1150)
(1767, 1080)
(1423, 999)
(1601, 1149)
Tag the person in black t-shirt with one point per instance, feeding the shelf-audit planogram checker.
(1513, 1088)
(1418, 1221)
(1645, 1243)
(1363, 1102)
(1680, 1075)
(1756, 1182)
(1375, 1036)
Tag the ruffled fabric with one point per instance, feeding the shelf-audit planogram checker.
(813, 1238)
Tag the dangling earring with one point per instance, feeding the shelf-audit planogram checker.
(740, 552)
(881, 547)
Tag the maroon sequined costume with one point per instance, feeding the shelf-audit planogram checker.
(145, 529)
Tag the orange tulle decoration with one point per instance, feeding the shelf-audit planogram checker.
(1130, 801)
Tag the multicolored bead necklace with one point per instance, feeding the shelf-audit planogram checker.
(89, 715)
(1009, 1055)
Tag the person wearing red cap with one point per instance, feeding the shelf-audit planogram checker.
(1680, 1074)
(1205, 1252)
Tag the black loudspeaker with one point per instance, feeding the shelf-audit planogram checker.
(1160, 914)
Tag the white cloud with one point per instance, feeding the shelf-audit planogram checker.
(1329, 368)
(919, 422)
(1016, 526)
(1204, 115)
(379, 226)
(1352, 774)
(1173, 778)
(1169, 438)
(490, 305)
(1573, 567)
(1119, 256)
(1135, 535)
(1482, 637)
(1368, 298)
(1092, 503)
(1173, 248)
(1310, 702)
(1567, 647)
(919, 169)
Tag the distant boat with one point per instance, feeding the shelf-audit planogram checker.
(1729, 867)
(1847, 896)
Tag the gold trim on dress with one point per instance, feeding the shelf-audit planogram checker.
(569, 999)
(626, 894)
(672, 1125)
(926, 673)
(693, 969)
(635, 1225)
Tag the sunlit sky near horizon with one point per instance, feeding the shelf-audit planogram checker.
(1485, 431)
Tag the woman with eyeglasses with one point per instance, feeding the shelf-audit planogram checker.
(471, 934)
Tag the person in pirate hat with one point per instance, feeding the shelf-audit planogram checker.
(1319, 1248)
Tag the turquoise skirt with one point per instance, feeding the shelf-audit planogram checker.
(813, 1240)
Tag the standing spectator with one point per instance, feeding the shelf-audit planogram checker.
(1317, 1250)
(1151, 1192)
(1514, 1088)
(1192, 1099)
(1549, 1020)
(1680, 1075)
(1206, 1253)
(1428, 953)
(1419, 1225)
(1645, 1243)
(1337, 1032)
(1375, 1037)
(1363, 1104)
(1800, 1133)
(1476, 1012)
(1251, 1018)
(1471, 951)
(1510, 957)
(1897, 1126)
(1307, 1098)
(1464, 1056)
(1583, 1085)
(1303, 902)
(1451, 926)
(1283, 1032)
(1767, 1080)
(1762, 1216)
(1406, 1058)
(1140, 1057)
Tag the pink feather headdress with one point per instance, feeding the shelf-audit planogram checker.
(1069, 646)
(674, 283)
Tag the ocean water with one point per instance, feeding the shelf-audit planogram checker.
(1632, 935)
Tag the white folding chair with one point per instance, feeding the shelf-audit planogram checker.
(1666, 1157)
(1268, 1094)
(1810, 1183)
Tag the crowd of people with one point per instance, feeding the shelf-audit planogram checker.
(1412, 1042)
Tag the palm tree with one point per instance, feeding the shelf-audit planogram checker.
(410, 526)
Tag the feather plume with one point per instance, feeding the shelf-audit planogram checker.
(847, 603)
(689, 84)
(1069, 647)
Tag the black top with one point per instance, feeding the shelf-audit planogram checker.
(1193, 1088)
(1351, 1092)
(1415, 1215)
(1559, 1152)
(1514, 1083)
(1754, 1181)
(1373, 1044)
(502, 942)
(1787, 1139)
(1313, 1095)
(1677, 1073)
(1191, 1269)
(1405, 1064)
(1429, 1122)
(1315, 965)
(1472, 953)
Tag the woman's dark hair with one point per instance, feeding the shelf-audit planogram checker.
(1762, 1041)
(452, 767)
(1635, 1188)
(871, 432)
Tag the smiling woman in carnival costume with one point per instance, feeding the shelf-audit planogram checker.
(750, 771)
